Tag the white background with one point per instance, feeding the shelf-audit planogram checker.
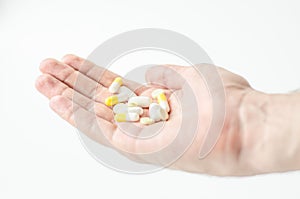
(41, 155)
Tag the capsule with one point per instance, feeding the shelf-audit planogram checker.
(127, 91)
(146, 121)
(135, 109)
(120, 108)
(124, 108)
(156, 92)
(163, 102)
(159, 94)
(157, 113)
(114, 87)
(115, 99)
(124, 94)
(127, 117)
(142, 101)
(154, 112)
(164, 114)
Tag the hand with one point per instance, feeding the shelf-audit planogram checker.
(77, 94)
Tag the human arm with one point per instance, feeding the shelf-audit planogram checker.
(255, 125)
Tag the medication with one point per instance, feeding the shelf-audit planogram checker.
(124, 108)
(154, 112)
(146, 121)
(114, 87)
(131, 104)
(157, 113)
(127, 117)
(127, 91)
(164, 114)
(133, 109)
(156, 92)
(124, 94)
(120, 108)
(115, 99)
(142, 101)
(161, 99)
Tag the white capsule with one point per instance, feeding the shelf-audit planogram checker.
(157, 113)
(124, 108)
(123, 97)
(127, 91)
(120, 108)
(114, 87)
(127, 117)
(135, 109)
(131, 104)
(146, 120)
(156, 92)
(154, 112)
(164, 105)
(164, 114)
(142, 101)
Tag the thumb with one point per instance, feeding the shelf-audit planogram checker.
(166, 76)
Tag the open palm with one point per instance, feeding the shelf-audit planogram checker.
(78, 88)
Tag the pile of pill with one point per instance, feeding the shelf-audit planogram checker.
(128, 107)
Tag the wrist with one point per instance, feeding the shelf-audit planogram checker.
(270, 132)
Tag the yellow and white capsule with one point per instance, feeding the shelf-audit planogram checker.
(124, 94)
(163, 102)
(115, 99)
(142, 101)
(146, 121)
(127, 117)
(157, 113)
(156, 92)
(114, 87)
(124, 108)
(159, 94)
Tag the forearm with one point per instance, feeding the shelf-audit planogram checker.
(271, 132)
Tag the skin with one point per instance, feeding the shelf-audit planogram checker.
(260, 133)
